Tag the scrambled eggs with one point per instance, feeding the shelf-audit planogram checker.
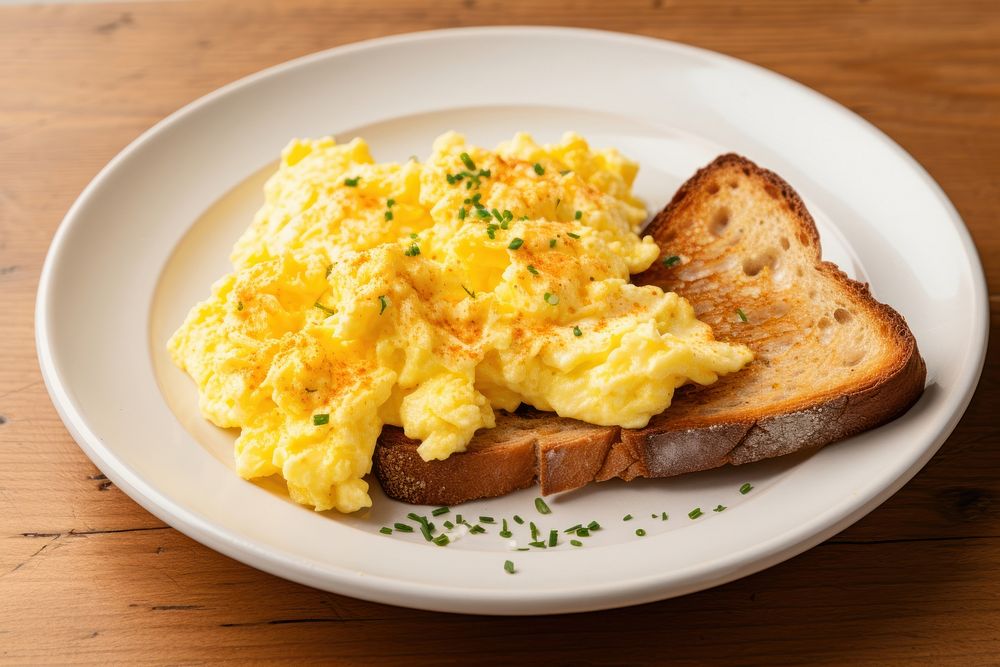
(427, 295)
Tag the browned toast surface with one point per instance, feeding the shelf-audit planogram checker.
(831, 361)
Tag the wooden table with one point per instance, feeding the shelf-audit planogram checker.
(86, 575)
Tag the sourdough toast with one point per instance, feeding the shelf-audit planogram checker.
(831, 361)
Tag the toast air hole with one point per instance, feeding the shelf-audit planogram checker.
(771, 191)
(754, 265)
(734, 184)
(842, 316)
(720, 221)
(713, 188)
(785, 244)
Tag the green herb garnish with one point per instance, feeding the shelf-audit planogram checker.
(462, 213)
(576, 543)
(551, 299)
(534, 530)
(477, 529)
(572, 235)
(578, 215)
(508, 565)
(385, 530)
(640, 532)
(670, 261)
(441, 540)
(449, 525)
(695, 513)
(439, 511)
(539, 544)
(627, 517)
(593, 525)
(239, 305)
(518, 520)
(389, 202)
(553, 538)
(583, 532)
(403, 528)
(487, 519)
(515, 243)
(663, 516)
(328, 311)
(743, 316)
(552, 243)
(504, 530)
(532, 270)
(542, 507)
(573, 529)
(482, 213)
(577, 332)
(539, 169)
(383, 303)
(719, 508)
(745, 489)
(388, 215)
(321, 419)
(352, 182)
(426, 532)
(412, 251)
(467, 161)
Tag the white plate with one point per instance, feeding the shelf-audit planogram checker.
(153, 230)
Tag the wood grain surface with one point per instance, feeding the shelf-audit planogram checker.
(86, 575)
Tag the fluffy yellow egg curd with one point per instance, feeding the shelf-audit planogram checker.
(427, 295)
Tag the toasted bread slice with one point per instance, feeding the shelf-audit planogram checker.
(831, 361)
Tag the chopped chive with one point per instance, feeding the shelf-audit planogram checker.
(532, 270)
(328, 311)
(653, 515)
(388, 215)
(552, 243)
(534, 530)
(515, 243)
(583, 532)
(573, 529)
(563, 172)
(627, 517)
(412, 251)
(487, 519)
(640, 532)
(695, 513)
(719, 508)
(469, 292)
(467, 161)
(518, 520)
(508, 565)
(449, 525)
(551, 299)
(459, 519)
(539, 544)
(389, 202)
(578, 215)
(352, 182)
(505, 225)
(593, 525)
(507, 215)
(743, 316)
(491, 231)
(477, 529)
(439, 511)
(482, 213)
(239, 305)
(497, 214)
(670, 261)
(572, 235)
(385, 530)
(485, 173)
(553, 538)
(450, 179)
(504, 530)
(321, 419)
(663, 516)
(414, 236)
(542, 507)
(403, 528)
(462, 213)
(577, 332)
(476, 197)
(539, 169)
(441, 540)
(416, 517)
(329, 270)
(576, 543)
(383, 303)
(745, 489)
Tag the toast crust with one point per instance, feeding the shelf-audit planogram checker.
(694, 433)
